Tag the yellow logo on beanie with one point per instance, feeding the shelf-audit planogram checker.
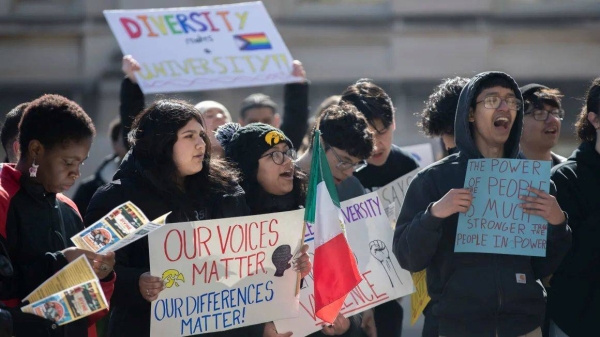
(274, 137)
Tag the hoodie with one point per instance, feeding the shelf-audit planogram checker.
(473, 294)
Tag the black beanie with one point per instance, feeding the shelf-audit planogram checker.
(244, 145)
(530, 89)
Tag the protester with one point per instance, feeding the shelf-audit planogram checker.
(348, 142)
(215, 114)
(574, 292)
(387, 163)
(105, 171)
(55, 136)
(437, 118)
(477, 294)
(10, 133)
(261, 108)
(541, 122)
(265, 157)
(168, 169)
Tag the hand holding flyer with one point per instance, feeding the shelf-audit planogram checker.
(120, 227)
(72, 293)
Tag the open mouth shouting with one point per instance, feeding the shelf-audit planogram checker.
(502, 123)
(287, 174)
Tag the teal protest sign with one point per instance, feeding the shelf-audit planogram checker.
(496, 223)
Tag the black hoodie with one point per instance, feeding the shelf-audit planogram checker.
(574, 293)
(473, 294)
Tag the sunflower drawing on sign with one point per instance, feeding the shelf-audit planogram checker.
(274, 137)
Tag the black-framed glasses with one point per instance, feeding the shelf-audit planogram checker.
(493, 102)
(343, 165)
(278, 157)
(542, 115)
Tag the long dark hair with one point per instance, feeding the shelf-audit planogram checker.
(152, 137)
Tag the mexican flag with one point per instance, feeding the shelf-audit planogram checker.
(334, 266)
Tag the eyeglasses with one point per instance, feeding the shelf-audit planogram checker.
(278, 157)
(343, 165)
(493, 102)
(542, 115)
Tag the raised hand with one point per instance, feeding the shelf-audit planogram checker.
(379, 250)
(129, 67)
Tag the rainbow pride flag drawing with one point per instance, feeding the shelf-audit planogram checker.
(255, 41)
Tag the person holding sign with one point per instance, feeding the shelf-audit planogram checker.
(574, 292)
(169, 169)
(37, 220)
(273, 183)
(478, 294)
(387, 163)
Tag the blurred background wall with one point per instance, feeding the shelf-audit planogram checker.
(406, 46)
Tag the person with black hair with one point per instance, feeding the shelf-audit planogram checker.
(574, 292)
(476, 294)
(348, 142)
(168, 169)
(437, 118)
(541, 122)
(105, 171)
(10, 133)
(387, 163)
(273, 183)
(37, 220)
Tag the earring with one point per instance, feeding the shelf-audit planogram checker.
(33, 169)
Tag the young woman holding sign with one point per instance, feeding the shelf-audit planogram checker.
(168, 169)
(273, 183)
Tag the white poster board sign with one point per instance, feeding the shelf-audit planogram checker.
(423, 153)
(201, 48)
(225, 274)
(370, 238)
(392, 195)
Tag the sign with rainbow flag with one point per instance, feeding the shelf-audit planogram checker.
(202, 48)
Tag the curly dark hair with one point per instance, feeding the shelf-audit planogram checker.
(344, 127)
(586, 132)
(152, 137)
(437, 118)
(371, 100)
(53, 120)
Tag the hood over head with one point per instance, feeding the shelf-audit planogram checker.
(462, 127)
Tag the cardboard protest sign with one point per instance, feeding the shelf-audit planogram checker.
(496, 223)
(420, 298)
(423, 153)
(370, 238)
(225, 274)
(72, 293)
(121, 226)
(392, 195)
(201, 48)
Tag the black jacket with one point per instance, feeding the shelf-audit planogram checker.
(89, 185)
(130, 312)
(295, 110)
(574, 293)
(473, 294)
(36, 226)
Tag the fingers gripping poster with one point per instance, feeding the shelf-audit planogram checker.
(225, 274)
(201, 48)
(370, 238)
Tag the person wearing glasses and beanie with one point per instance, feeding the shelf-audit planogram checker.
(273, 183)
(477, 294)
(541, 122)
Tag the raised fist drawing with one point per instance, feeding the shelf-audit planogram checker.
(382, 254)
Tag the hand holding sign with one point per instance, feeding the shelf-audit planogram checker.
(302, 264)
(150, 286)
(298, 70)
(456, 200)
(544, 205)
(130, 66)
(271, 331)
